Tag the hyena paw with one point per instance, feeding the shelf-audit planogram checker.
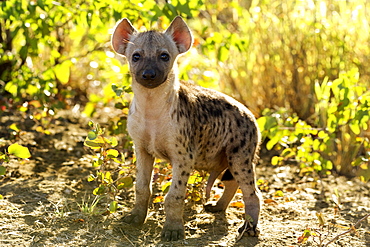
(173, 232)
(135, 219)
(213, 208)
(248, 230)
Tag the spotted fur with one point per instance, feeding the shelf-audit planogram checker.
(188, 125)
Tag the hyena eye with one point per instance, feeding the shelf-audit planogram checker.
(135, 57)
(165, 57)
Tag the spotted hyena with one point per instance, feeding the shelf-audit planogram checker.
(190, 126)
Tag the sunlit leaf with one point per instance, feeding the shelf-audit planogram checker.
(237, 204)
(274, 140)
(355, 127)
(320, 217)
(97, 143)
(14, 127)
(89, 109)
(62, 72)
(279, 193)
(158, 199)
(276, 160)
(112, 153)
(113, 142)
(97, 163)
(91, 178)
(305, 235)
(166, 187)
(223, 54)
(19, 151)
(270, 201)
(289, 199)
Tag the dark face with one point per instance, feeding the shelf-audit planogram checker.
(150, 71)
(151, 56)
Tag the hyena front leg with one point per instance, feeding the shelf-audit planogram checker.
(144, 166)
(173, 228)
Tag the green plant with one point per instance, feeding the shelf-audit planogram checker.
(335, 137)
(91, 208)
(109, 181)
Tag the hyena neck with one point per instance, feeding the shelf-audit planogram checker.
(156, 102)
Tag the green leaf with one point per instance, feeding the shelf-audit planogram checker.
(267, 122)
(119, 105)
(2, 170)
(100, 190)
(117, 90)
(91, 135)
(19, 151)
(125, 182)
(113, 142)
(23, 52)
(113, 206)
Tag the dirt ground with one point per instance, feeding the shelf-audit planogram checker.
(43, 198)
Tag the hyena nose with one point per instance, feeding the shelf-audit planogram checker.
(149, 74)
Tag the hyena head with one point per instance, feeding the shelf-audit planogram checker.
(151, 55)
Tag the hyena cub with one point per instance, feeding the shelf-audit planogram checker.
(190, 126)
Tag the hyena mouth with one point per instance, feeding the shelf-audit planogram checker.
(151, 83)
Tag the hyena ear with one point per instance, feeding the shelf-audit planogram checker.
(121, 35)
(181, 34)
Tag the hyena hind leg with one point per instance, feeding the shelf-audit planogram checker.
(252, 200)
(229, 191)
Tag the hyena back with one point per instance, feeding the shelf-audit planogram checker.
(190, 126)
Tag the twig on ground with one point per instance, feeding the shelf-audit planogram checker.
(353, 228)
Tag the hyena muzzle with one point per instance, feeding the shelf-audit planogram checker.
(190, 126)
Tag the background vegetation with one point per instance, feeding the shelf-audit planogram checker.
(300, 66)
